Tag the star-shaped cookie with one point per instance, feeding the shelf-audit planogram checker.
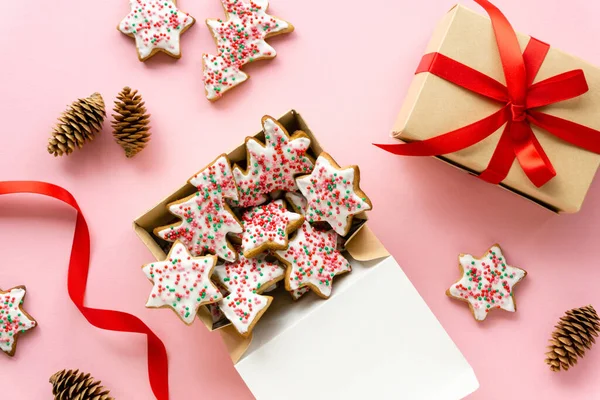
(240, 40)
(245, 279)
(333, 194)
(182, 282)
(312, 260)
(273, 165)
(267, 227)
(205, 217)
(156, 25)
(487, 283)
(13, 319)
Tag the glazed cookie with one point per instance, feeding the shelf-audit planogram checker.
(240, 40)
(267, 227)
(245, 279)
(205, 217)
(312, 260)
(486, 283)
(297, 201)
(272, 166)
(156, 25)
(13, 319)
(182, 282)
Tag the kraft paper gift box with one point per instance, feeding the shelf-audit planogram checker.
(373, 338)
(434, 106)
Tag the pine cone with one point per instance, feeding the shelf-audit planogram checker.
(75, 385)
(77, 125)
(574, 334)
(130, 124)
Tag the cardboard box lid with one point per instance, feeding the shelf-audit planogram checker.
(434, 106)
(353, 346)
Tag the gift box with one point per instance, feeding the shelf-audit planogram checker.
(373, 338)
(460, 86)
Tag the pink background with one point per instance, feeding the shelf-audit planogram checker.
(346, 69)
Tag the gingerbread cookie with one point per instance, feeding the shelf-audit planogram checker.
(13, 319)
(312, 260)
(205, 217)
(156, 25)
(297, 201)
(333, 194)
(267, 227)
(245, 279)
(182, 282)
(240, 40)
(486, 283)
(272, 166)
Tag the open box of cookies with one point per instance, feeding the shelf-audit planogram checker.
(268, 245)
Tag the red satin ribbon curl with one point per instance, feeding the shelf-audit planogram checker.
(77, 281)
(519, 97)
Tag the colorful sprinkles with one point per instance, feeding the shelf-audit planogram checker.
(245, 279)
(182, 282)
(206, 219)
(312, 260)
(240, 40)
(13, 320)
(272, 166)
(267, 227)
(487, 283)
(155, 25)
(332, 194)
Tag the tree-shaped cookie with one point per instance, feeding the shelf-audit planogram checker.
(240, 40)
(13, 319)
(273, 165)
(156, 25)
(205, 217)
(487, 283)
(312, 260)
(267, 227)
(245, 279)
(333, 194)
(182, 282)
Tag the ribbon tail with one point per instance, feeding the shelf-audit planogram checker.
(571, 132)
(452, 141)
(77, 283)
(502, 159)
(530, 154)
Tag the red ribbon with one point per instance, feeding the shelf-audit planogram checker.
(77, 282)
(519, 97)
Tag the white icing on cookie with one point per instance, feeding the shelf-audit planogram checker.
(297, 201)
(182, 282)
(331, 195)
(272, 166)
(13, 321)
(487, 283)
(240, 40)
(268, 225)
(155, 25)
(244, 279)
(312, 260)
(206, 219)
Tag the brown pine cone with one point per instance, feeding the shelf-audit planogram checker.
(75, 385)
(130, 123)
(573, 334)
(77, 125)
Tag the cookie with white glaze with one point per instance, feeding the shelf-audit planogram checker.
(156, 26)
(206, 219)
(333, 194)
(272, 165)
(267, 227)
(14, 320)
(182, 282)
(487, 283)
(240, 39)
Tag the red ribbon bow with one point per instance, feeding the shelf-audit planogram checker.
(77, 281)
(519, 97)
